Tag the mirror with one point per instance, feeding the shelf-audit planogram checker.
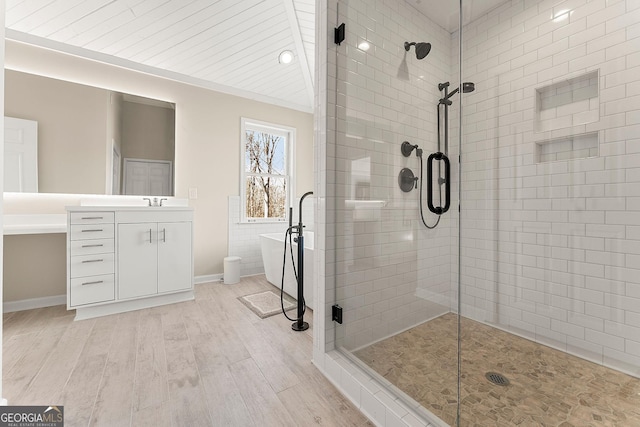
(89, 140)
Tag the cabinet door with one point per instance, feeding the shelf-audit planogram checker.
(175, 269)
(137, 260)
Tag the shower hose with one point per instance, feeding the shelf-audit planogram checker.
(288, 234)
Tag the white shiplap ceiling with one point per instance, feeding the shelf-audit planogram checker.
(227, 45)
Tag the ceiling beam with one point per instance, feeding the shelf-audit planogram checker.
(302, 53)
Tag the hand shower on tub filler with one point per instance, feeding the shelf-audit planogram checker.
(299, 323)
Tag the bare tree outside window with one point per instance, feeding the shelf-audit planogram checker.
(265, 172)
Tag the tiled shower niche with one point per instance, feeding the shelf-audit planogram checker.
(568, 103)
(568, 106)
(567, 148)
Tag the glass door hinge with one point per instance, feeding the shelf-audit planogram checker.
(339, 34)
(336, 313)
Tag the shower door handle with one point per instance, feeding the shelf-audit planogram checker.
(438, 210)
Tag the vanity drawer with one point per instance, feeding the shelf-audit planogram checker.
(93, 246)
(88, 231)
(92, 265)
(92, 217)
(90, 290)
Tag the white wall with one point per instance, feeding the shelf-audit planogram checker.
(551, 245)
(207, 138)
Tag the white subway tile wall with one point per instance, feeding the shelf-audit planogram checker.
(244, 238)
(550, 237)
(391, 273)
(551, 177)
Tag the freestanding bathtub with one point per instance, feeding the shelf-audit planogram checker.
(272, 246)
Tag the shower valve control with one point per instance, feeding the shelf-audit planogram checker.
(407, 180)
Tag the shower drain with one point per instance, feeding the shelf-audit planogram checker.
(497, 379)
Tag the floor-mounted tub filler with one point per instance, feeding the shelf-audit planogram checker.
(282, 269)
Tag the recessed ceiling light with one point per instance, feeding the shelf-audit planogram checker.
(285, 57)
(364, 46)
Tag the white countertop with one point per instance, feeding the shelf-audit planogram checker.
(57, 223)
(126, 208)
(14, 224)
(34, 224)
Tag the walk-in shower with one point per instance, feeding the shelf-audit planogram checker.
(522, 307)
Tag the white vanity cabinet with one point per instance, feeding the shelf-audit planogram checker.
(153, 258)
(173, 245)
(91, 261)
(137, 260)
(128, 258)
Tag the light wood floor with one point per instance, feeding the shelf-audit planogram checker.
(208, 362)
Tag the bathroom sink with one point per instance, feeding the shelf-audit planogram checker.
(133, 202)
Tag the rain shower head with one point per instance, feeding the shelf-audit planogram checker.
(422, 48)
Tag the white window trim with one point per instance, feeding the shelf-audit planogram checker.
(290, 174)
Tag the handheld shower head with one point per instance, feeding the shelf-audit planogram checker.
(422, 48)
(468, 87)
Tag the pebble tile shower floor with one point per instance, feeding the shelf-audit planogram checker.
(547, 387)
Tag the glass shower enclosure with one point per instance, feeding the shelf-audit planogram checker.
(487, 207)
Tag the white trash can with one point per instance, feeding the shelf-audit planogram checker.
(231, 270)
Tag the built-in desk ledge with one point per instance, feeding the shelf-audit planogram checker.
(133, 201)
(127, 208)
(34, 224)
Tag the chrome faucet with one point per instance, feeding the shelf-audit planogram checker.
(147, 199)
(164, 198)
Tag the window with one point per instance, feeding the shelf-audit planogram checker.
(267, 171)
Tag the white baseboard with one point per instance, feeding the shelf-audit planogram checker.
(29, 304)
(106, 309)
(207, 278)
(198, 280)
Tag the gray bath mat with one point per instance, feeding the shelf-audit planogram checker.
(267, 303)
